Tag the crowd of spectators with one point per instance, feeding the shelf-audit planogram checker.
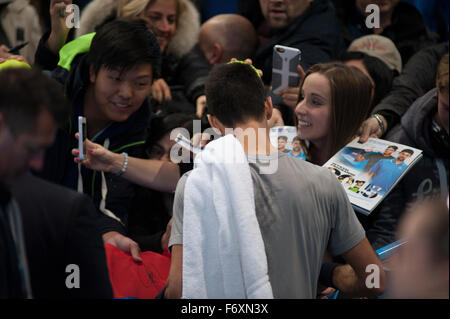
(146, 74)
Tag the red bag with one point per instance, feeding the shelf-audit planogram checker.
(137, 280)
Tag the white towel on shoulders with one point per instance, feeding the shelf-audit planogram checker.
(223, 250)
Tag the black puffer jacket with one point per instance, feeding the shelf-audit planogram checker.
(186, 77)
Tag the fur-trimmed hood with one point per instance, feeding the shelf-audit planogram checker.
(186, 36)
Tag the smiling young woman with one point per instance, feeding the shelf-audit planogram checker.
(161, 17)
(334, 101)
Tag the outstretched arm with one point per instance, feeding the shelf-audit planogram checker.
(60, 30)
(158, 175)
(372, 128)
(363, 275)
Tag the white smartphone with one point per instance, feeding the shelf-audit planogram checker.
(82, 131)
(185, 143)
(284, 68)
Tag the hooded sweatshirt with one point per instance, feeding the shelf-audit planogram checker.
(112, 195)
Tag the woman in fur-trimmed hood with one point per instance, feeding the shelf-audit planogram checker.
(176, 24)
(187, 21)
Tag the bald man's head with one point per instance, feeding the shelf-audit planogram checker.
(227, 36)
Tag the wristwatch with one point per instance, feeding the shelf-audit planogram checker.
(380, 123)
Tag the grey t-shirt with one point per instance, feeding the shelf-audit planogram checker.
(302, 210)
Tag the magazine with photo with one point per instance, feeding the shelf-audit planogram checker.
(385, 253)
(369, 171)
(285, 139)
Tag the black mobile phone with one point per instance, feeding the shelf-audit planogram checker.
(82, 131)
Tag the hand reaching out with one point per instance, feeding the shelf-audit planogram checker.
(60, 30)
(249, 62)
(200, 106)
(371, 128)
(97, 157)
(124, 244)
(161, 91)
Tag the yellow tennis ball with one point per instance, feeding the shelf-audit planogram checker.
(12, 63)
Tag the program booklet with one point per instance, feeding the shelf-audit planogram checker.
(285, 139)
(369, 171)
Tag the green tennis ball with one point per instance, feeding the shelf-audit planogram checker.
(10, 64)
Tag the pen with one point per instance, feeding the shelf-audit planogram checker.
(16, 49)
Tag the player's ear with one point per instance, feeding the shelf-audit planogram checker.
(268, 108)
(216, 124)
(217, 54)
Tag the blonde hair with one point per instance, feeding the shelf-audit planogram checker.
(187, 22)
(133, 8)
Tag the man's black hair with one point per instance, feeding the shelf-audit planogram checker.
(407, 151)
(235, 94)
(24, 94)
(378, 70)
(283, 137)
(160, 126)
(296, 139)
(123, 44)
(393, 147)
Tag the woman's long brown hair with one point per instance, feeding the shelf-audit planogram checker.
(351, 95)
